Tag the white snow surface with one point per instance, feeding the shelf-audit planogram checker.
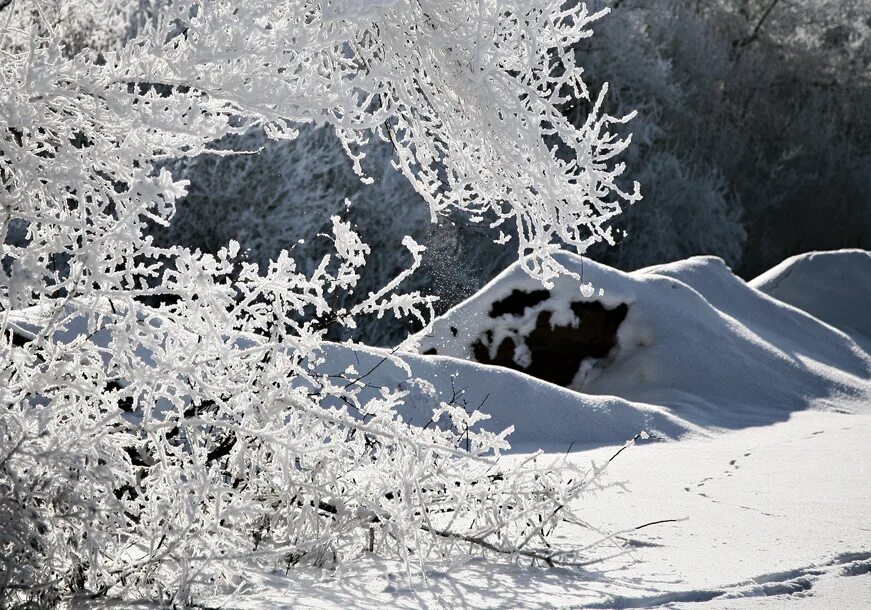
(761, 392)
(834, 287)
(697, 341)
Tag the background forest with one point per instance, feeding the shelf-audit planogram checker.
(752, 142)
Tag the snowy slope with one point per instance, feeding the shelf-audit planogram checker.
(696, 340)
(835, 287)
(542, 414)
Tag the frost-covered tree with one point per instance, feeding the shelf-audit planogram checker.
(756, 112)
(284, 196)
(165, 411)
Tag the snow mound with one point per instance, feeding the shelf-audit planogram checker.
(832, 286)
(675, 350)
(690, 337)
(542, 414)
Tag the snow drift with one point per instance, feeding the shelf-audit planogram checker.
(542, 414)
(677, 349)
(834, 287)
(689, 337)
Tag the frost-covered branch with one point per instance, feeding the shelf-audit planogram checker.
(164, 411)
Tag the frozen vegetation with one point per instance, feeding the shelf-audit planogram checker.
(299, 304)
(755, 456)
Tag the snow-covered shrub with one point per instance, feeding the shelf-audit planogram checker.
(164, 412)
(283, 197)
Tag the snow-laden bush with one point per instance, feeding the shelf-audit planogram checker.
(284, 196)
(166, 414)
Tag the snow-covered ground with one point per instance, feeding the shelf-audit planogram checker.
(758, 400)
(772, 517)
(696, 340)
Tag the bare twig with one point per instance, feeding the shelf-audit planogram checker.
(757, 29)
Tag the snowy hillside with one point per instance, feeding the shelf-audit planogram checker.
(688, 336)
(835, 287)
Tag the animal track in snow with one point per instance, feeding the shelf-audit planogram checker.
(796, 582)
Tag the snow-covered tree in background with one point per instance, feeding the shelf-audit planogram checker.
(724, 90)
(284, 196)
(751, 115)
(166, 411)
